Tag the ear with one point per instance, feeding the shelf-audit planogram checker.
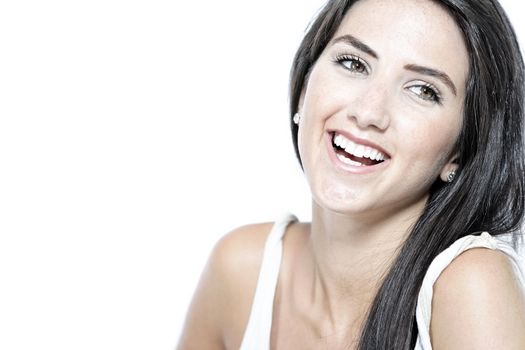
(450, 167)
(303, 92)
(301, 99)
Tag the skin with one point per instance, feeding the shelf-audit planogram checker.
(332, 267)
(478, 304)
(382, 105)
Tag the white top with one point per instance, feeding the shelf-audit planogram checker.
(257, 333)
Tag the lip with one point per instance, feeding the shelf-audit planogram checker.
(352, 168)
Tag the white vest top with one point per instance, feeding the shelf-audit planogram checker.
(258, 329)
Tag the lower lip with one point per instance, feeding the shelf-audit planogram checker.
(354, 169)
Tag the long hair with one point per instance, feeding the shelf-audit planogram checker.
(488, 191)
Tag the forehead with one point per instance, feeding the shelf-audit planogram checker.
(411, 31)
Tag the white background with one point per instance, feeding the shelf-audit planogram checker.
(134, 134)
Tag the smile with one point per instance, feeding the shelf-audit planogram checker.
(355, 154)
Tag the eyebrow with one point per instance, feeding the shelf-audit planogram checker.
(358, 44)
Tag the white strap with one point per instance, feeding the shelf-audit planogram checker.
(258, 330)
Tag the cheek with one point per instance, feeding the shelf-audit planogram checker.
(326, 93)
(432, 142)
(317, 106)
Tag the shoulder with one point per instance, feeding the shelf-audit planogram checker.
(234, 265)
(244, 245)
(478, 304)
(222, 302)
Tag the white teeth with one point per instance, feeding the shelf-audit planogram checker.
(350, 148)
(359, 151)
(348, 160)
(337, 140)
(356, 150)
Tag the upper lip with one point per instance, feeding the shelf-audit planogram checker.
(361, 141)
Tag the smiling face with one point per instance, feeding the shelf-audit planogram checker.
(382, 107)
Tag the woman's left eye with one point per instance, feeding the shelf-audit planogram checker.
(426, 92)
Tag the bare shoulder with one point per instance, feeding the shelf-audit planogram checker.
(220, 307)
(244, 245)
(478, 304)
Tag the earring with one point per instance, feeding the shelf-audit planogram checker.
(296, 118)
(451, 176)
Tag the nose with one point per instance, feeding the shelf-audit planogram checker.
(371, 108)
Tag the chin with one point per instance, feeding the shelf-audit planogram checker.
(342, 201)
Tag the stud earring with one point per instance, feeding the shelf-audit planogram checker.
(451, 176)
(296, 118)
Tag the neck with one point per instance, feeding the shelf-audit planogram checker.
(349, 257)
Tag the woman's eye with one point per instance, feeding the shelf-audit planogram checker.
(353, 64)
(426, 93)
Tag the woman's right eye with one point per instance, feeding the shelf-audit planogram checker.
(352, 63)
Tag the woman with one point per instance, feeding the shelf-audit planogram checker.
(408, 123)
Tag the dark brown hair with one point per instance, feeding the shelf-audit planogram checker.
(488, 192)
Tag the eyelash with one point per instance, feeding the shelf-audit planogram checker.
(340, 59)
(436, 95)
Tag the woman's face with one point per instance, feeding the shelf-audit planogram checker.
(382, 107)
